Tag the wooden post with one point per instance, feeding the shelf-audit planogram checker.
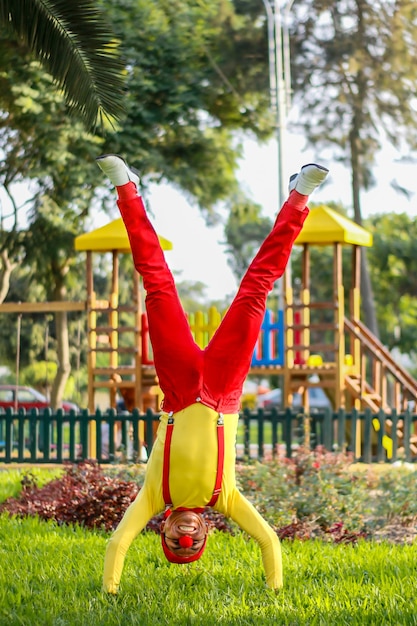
(289, 345)
(305, 299)
(339, 321)
(138, 357)
(306, 336)
(91, 356)
(114, 323)
(355, 347)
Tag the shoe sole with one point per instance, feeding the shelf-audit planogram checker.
(128, 167)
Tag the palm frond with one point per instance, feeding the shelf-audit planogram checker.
(77, 47)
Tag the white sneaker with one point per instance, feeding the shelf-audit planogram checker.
(117, 170)
(309, 177)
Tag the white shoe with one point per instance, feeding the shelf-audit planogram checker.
(117, 170)
(310, 177)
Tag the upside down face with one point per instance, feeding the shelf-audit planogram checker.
(184, 536)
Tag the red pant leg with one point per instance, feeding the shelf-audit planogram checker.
(228, 356)
(178, 359)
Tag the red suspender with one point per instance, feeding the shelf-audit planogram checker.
(220, 461)
(167, 453)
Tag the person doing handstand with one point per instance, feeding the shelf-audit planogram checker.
(192, 463)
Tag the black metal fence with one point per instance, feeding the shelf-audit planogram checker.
(109, 437)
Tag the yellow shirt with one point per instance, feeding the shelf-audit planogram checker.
(192, 475)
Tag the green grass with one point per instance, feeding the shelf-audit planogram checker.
(51, 575)
(10, 479)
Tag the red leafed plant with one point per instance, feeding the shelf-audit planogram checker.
(308, 529)
(83, 495)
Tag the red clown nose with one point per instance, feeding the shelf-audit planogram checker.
(185, 541)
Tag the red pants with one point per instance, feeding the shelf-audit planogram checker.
(215, 375)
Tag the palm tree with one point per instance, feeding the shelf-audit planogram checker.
(73, 42)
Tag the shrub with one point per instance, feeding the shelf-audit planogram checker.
(315, 494)
(83, 495)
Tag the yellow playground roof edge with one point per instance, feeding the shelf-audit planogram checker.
(325, 226)
(112, 236)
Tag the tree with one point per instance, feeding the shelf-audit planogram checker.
(245, 231)
(40, 142)
(190, 98)
(354, 68)
(179, 126)
(393, 262)
(75, 44)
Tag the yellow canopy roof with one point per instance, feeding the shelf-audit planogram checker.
(110, 237)
(324, 226)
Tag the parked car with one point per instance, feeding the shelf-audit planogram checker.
(27, 398)
(317, 399)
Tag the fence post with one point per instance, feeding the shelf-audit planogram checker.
(260, 434)
(149, 431)
(45, 433)
(367, 442)
(394, 435)
(287, 432)
(407, 435)
(59, 421)
(341, 430)
(136, 433)
(353, 434)
(9, 436)
(111, 414)
(84, 420)
(246, 433)
(72, 422)
(274, 425)
(33, 434)
(380, 454)
(328, 429)
(21, 439)
(98, 417)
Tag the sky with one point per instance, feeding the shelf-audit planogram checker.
(198, 253)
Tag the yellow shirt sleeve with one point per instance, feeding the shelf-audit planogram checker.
(241, 511)
(134, 520)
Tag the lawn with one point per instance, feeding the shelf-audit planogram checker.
(50, 573)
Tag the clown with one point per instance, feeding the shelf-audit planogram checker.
(192, 463)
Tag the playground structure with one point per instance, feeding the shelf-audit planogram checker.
(344, 358)
(338, 354)
(127, 371)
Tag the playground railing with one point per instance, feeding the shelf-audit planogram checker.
(263, 434)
